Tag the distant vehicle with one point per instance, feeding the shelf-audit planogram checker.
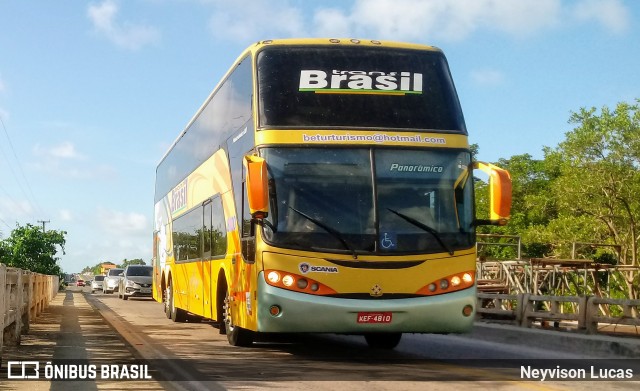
(80, 283)
(136, 282)
(96, 284)
(111, 280)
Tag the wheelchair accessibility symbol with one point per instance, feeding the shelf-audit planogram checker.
(388, 241)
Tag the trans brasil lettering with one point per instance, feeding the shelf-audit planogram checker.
(344, 81)
(179, 197)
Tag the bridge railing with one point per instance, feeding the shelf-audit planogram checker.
(590, 314)
(23, 296)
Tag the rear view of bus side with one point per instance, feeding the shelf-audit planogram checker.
(324, 186)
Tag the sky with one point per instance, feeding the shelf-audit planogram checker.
(92, 94)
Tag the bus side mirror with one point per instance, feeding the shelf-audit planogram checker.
(499, 194)
(256, 184)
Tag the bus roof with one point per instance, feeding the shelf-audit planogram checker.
(299, 42)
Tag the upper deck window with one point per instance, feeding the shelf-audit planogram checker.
(319, 87)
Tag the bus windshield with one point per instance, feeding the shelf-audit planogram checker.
(369, 201)
(363, 87)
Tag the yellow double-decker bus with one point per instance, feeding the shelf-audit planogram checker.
(324, 186)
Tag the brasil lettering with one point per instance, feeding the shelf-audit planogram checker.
(360, 82)
(179, 197)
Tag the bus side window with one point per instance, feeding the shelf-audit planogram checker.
(206, 245)
(248, 238)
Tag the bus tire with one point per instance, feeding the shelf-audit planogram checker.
(176, 314)
(383, 340)
(237, 336)
(167, 301)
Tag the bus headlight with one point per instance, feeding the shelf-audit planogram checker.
(287, 280)
(273, 277)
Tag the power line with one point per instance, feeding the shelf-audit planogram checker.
(30, 197)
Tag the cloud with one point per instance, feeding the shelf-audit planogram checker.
(123, 224)
(107, 235)
(412, 20)
(64, 150)
(487, 77)
(432, 20)
(126, 35)
(611, 14)
(62, 160)
(65, 215)
(252, 20)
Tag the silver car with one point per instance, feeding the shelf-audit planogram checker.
(96, 283)
(111, 280)
(136, 282)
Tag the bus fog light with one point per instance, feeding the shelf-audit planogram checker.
(468, 278)
(467, 310)
(273, 277)
(432, 287)
(287, 280)
(314, 287)
(444, 284)
(302, 283)
(455, 281)
(274, 310)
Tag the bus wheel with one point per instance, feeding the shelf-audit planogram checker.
(383, 340)
(167, 301)
(237, 336)
(176, 314)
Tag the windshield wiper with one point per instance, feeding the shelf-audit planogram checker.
(336, 234)
(423, 227)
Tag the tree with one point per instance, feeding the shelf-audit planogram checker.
(599, 181)
(33, 249)
(136, 261)
(532, 205)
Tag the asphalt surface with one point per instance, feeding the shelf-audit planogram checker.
(74, 333)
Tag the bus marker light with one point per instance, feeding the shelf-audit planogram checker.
(455, 281)
(467, 310)
(274, 277)
(287, 280)
(274, 310)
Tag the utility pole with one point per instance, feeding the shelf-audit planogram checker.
(43, 222)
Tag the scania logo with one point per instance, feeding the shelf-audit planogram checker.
(307, 268)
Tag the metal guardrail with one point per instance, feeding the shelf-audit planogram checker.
(591, 314)
(23, 296)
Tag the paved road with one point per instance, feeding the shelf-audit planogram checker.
(194, 356)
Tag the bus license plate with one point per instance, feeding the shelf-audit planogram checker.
(374, 317)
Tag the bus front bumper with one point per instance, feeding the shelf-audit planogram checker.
(300, 312)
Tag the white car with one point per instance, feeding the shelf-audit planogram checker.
(111, 280)
(96, 283)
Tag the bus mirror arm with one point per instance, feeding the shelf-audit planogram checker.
(498, 222)
(262, 221)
